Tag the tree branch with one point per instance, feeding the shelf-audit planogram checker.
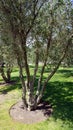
(23, 46)
(34, 16)
(46, 57)
(54, 70)
(36, 65)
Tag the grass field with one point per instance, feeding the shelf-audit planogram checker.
(59, 93)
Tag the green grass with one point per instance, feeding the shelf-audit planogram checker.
(59, 92)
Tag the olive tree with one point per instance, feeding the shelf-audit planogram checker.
(46, 27)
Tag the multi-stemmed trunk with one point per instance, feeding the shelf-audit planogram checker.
(32, 100)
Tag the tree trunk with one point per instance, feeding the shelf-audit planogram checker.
(30, 100)
(23, 85)
(6, 77)
(9, 74)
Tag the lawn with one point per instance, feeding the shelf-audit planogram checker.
(59, 93)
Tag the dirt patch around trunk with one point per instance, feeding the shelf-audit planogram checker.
(42, 113)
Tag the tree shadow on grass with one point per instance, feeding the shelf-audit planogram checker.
(16, 79)
(15, 70)
(15, 84)
(66, 73)
(10, 88)
(60, 95)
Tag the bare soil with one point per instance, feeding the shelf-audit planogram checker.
(42, 113)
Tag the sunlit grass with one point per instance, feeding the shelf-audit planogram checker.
(59, 93)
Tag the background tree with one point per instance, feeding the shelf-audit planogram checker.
(49, 26)
(7, 59)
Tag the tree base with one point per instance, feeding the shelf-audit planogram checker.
(18, 113)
